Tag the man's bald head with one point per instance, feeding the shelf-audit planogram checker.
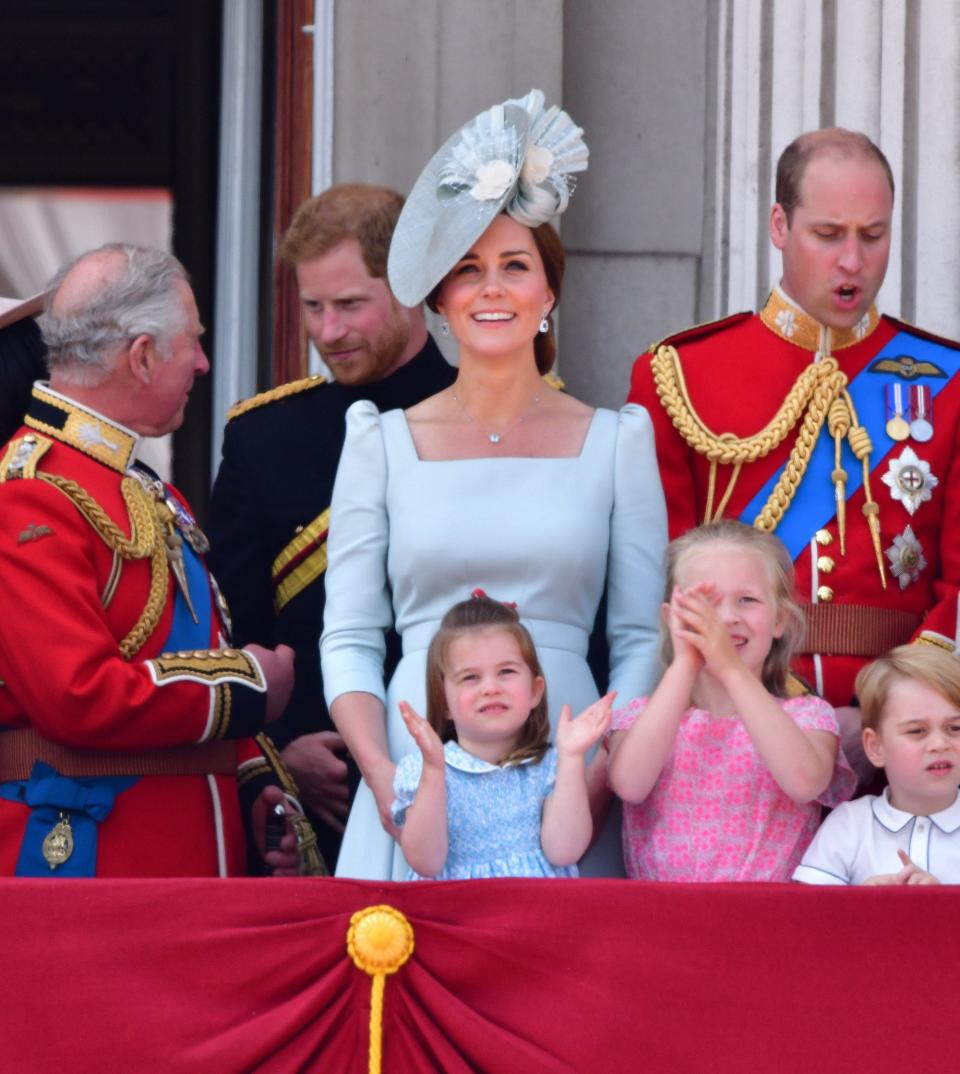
(835, 141)
(104, 299)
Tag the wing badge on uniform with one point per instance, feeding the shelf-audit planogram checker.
(33, 532)
(903, 365)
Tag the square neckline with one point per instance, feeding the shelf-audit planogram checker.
(411, 443)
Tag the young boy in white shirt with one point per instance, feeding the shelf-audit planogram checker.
(910, 707)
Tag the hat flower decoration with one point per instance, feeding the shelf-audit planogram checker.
(517, 157)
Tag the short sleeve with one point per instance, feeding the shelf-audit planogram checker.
(624, 718)
(548, 771)
(638, 541)
(406, 780)
(359, 610)
(829, 858)
(811, 713)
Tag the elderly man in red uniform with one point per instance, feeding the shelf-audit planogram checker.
(825, 422)
(125, 723)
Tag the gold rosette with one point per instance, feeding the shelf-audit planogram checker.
(379, 940)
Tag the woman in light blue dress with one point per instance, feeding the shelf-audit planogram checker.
(500, 482)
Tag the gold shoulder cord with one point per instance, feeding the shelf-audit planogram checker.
(819, 394)
(146, 539)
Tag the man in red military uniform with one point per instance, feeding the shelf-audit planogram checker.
(825, 422)
(125, 722)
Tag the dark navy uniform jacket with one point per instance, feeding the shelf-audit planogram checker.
(267, 522)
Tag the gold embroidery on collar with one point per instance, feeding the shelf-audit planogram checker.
(86, 431)
(790, 322)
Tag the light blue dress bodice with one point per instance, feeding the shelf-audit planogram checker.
(493, 814)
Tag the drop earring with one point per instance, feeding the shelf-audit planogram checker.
(444, 328)
(544, 326)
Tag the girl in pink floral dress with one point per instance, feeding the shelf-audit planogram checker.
(722, 774)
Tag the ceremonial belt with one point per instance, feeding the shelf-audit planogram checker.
(855, 629)
(21, 748)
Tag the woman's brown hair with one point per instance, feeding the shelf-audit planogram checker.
(554, 258)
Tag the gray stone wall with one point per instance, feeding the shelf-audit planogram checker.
(634, 79)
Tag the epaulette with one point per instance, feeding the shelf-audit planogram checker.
(700, 331)
(273, 394)
(22, 456)
(922, 332)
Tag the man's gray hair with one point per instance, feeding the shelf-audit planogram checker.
(139, 297)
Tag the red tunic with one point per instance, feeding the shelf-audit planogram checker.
(738, 372)
(68, 600)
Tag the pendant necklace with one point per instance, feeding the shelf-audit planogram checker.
(495, 437)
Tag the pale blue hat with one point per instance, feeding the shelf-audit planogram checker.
(516, 157)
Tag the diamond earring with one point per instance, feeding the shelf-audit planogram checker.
(444, 328)
(544, 326)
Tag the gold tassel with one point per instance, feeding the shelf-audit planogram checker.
(309, 859)
(838, 425)
(861, 447)
(379, 940)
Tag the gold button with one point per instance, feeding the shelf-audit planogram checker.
(824, 537)
(201, 654)
(825, 593)
(825, 564)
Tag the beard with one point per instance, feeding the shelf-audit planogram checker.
(374, 358)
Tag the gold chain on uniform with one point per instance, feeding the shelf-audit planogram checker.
(818, 394)
(146, 539)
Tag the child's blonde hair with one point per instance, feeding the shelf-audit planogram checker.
(483, 615)
(772, 550)
(927, 664)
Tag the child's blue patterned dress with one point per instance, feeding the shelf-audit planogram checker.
(493, 814)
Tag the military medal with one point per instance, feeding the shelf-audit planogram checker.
(921, 409)
(906, 557)
(910, 480)
(186, 524)
(897, 426)
(58, 844)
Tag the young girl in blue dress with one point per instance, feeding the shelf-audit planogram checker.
(487, 795)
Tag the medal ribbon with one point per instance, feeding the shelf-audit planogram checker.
(87, 801)
(814, 504)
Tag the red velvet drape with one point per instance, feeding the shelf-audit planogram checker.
(512, 975)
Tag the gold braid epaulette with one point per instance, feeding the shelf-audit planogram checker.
(146, 539)
(293, 387)
(811, 397)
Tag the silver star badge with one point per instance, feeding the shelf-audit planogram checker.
(910, 480)
(906, 557)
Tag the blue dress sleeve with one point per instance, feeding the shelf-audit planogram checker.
(406, 780)
(358, 605)
(638, 541)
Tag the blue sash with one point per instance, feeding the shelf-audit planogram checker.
(184, 632)
(814, 503)
(87, 801)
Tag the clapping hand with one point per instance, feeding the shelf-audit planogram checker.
(574, 737)
(700, 627)
(427, 740)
